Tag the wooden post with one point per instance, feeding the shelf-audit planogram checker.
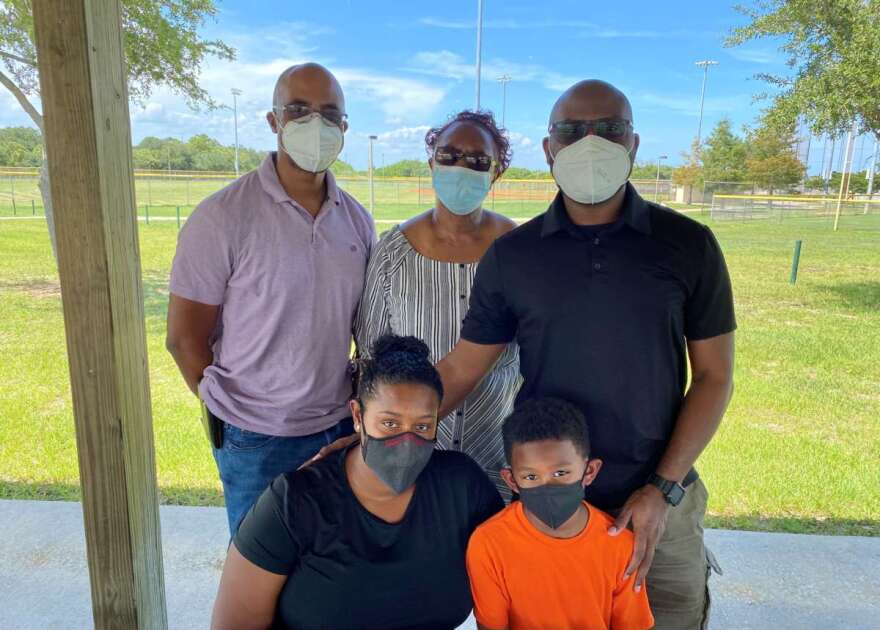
(88, 142)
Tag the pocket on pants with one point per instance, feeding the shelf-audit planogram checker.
(712, 565)
(244, 440)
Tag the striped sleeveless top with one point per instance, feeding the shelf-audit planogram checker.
(409, 294)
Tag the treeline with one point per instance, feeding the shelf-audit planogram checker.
(202, 153)
(23, 146)
(419, 168)
(765, 157)
(20, 146)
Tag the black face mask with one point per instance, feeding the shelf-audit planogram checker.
(553, 503)
(397, 460)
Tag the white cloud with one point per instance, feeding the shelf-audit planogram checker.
(762, 57)
(469, 24)
(404, 135)
(526, 150)
(589, 29)
(400, 98)
(691, 105)
(450, 65)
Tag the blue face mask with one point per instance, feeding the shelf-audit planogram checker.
(461, 189)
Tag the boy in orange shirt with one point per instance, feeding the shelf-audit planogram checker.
(546, 562)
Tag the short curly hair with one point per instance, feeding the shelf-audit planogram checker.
(482, 118)
(546, 419)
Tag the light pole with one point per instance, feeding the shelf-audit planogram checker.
(235, 94)
(657, 183)
(847, 170)
(873, 169)
(504, 79)
(479, 48)
(826, 173)
(370, 167)
(705, 65)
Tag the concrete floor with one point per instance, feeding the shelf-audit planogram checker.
(776, 581)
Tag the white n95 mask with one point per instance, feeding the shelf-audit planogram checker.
(311, 143)
(592, 169)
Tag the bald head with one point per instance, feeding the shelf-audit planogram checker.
(308, 83)
(591, 100)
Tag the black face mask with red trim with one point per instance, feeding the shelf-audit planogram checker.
(397, 460)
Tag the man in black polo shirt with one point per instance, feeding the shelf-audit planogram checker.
(607, 296)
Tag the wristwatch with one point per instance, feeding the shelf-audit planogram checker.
(673, 492)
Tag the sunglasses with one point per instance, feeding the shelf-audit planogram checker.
(570, 131)
(448, 156)
(297, 111)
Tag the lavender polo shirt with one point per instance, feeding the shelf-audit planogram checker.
(289, 286)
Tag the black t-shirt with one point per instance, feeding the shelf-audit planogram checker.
(602, 317)
(347, 568)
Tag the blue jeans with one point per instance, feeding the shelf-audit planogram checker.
(248, 462)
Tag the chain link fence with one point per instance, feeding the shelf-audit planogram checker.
(167, 194)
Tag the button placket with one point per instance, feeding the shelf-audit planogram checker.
(458, 425)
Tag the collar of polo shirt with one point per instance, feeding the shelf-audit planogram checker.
(272, 185)
(634, 214)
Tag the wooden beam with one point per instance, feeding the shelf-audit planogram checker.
(88, 142)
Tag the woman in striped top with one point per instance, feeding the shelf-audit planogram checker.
(420, 275)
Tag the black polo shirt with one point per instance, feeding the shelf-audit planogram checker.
(602, 318)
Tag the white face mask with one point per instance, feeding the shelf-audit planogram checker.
(311, 143)
(592, 169)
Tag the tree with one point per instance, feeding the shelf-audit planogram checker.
(689, 174)
(405, 168)
(20, 146)
(724, 155)
(832, 49)
(816, 182)
(339, 168)
(162, 47)
(518, 172)
(772, 161)
(648, 170)
(858, 182)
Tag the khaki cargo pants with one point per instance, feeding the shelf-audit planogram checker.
(678, 582)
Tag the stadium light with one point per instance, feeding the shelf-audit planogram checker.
(235, 94)
(370, 168)
(705, 65)
(504, 79)
(657, 183)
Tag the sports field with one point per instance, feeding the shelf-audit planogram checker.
(799, 449)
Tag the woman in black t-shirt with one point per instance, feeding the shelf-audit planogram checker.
(373, 536)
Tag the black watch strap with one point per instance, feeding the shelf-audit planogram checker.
(673, 492)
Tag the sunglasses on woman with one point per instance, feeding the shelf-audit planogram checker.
(570, 131)
(449, 156)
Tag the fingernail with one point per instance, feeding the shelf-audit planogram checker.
(638, 587)
(613, 530)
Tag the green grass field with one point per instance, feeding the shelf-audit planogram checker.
(799, 449)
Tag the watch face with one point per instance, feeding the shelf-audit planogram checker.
(675, 495)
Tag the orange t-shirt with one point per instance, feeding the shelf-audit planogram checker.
(522, 578)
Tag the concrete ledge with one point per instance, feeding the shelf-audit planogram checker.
(775, 581)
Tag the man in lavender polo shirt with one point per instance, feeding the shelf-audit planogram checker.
(265, 283)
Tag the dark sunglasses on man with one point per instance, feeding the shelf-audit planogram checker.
(297, 111)
(450, 156)
(570, 131)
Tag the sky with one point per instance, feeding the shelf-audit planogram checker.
(406, 66)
